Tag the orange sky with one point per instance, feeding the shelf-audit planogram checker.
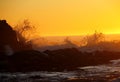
(64, 17)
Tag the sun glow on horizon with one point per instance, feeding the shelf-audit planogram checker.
(65, 17)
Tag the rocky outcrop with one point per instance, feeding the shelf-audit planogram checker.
(9, 42)
(58, 60)
(8, 38)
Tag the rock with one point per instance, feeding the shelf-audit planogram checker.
(8, 38)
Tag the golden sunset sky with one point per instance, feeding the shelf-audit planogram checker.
(64, 17)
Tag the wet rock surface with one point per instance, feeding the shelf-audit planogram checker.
(101, 73)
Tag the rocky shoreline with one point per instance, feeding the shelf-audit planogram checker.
(57, 60)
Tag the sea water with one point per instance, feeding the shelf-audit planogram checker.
(101, 73)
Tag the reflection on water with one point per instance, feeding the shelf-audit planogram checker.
(101, 73)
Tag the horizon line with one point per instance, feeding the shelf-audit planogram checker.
(75, 35)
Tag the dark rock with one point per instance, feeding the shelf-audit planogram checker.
(8, 37)
(28, 61)
(35, 77)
